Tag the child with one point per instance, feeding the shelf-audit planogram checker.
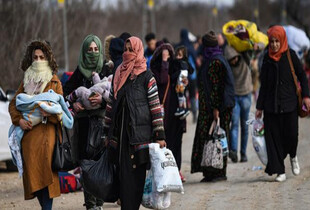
(184, 68)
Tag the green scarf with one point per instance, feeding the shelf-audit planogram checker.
(90, 62)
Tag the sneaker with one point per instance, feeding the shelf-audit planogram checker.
(295, 166)
(244, 158)
(182, 177)
(280, 178)
(99, 208)
(233, 156)
(179, 112)
(185, 115)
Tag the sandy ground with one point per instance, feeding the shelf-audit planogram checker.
(245, 188)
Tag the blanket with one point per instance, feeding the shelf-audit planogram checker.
(29, 106)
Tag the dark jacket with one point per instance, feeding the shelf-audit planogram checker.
(136, 95)
(116, 52)
(278, 92)
(77, 80)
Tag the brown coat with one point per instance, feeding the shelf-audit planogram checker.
(37, 149)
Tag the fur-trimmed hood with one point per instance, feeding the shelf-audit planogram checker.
(46, 48)
(157, 56)
(107, 42)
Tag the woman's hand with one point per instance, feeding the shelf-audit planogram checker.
(258, 114)
(25, 125)
(96, 99)
(162, 143)
(216, 114)
(165, 55)
(77, 106)
(306, 101)
(44, 113)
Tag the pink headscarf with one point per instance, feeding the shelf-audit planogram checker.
(134, 63)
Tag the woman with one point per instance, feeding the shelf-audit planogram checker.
(165, 68)
(90, 60)
(38, 141)
(134, 120)
(277, 98)
(212, 105)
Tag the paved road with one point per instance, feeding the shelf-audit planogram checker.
(244, 189)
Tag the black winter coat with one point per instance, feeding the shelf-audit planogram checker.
(278, 92)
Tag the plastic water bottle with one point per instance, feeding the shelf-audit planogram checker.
(257, 168)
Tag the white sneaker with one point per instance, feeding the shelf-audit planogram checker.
(281, 178)
(295, 166)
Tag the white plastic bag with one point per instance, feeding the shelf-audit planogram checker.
(165, 170)
(152, 199)
(258, 139)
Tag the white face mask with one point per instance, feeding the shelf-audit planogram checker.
(36, 77)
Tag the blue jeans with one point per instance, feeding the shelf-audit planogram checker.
(240, 112)
(44, 199)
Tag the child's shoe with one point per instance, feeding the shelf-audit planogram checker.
(179, 112)
(186, 113)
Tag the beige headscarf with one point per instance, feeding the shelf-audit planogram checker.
(36, 77)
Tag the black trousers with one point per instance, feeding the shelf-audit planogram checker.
(281, 136)
(132, 178)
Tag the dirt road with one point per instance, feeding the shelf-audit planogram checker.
(245, 188)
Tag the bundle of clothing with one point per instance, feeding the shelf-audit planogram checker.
(30, 106)
(82, 94)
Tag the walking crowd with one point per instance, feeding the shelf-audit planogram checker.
(124, 97)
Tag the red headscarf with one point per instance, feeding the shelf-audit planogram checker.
(277, 32)
(133, 64)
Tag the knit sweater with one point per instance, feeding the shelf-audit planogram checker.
(154, 105)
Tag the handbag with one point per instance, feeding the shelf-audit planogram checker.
(301, 113)
(212, 151)
(62, 158)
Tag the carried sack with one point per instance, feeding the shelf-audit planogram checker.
(212, 151)
(95, 140)
(301, 112)
(99, 178)
(258, 139)
(165, 170)
(62, 157)
(151, 198)
(68, 182)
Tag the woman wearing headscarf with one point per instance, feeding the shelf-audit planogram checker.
(133, 119)
(216, 100)
(278, 100)
(38, 141)
(90, 60)
(166, 71)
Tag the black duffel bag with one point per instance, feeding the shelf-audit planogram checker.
(100, 179)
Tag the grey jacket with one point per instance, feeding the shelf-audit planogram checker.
(241, 72)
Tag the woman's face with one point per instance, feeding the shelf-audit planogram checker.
(179, 55)
(93, 47)
(128, 47)
(274, 44)
(38, 55)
